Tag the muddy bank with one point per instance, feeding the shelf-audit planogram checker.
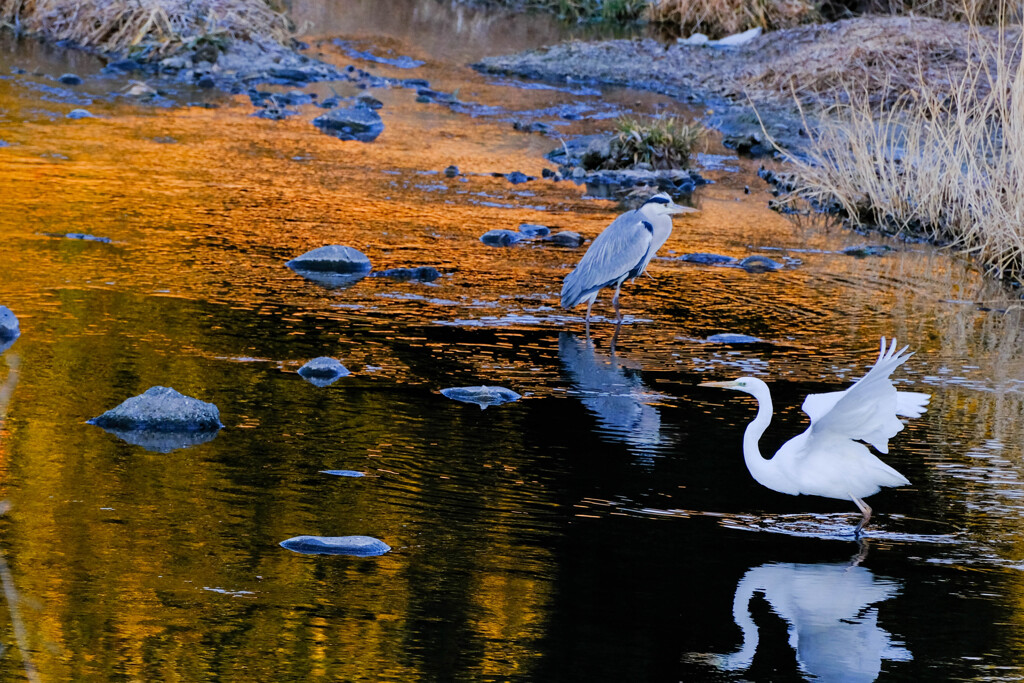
(767, 77)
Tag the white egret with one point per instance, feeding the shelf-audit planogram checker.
(621, 251)
(829, 459)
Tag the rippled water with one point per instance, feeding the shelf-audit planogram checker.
(603, 527)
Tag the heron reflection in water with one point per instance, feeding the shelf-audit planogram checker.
(831, 616)
(614, 392)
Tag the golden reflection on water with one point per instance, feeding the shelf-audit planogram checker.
(158, 563)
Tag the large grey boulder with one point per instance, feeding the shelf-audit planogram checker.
(333, 258)
(161, 409)
(361, 546)
(323, 371)
(483, 396)
(352, 123)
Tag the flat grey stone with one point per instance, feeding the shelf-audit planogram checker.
(566, 238)
(759, 264)
(323, 370)
(352, 123)
(500, 238)
(161, 409)
(730, 338)
(344, 473)
(333, 258)
(418, 274)
(707, 259)
(360, 546)
(483, 396)
(533, 230)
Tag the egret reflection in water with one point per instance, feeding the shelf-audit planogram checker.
(831, 615)
(612, 389)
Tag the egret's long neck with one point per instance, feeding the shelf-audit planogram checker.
(762, 470)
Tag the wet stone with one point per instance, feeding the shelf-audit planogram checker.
(419, 274)
(80, 114)
(86, 237)
(864, 250)
(332, 258)
(451, 172)
(70, 79)
(516, 177)
(759, 264)
(707, 259)
(323, 371)
(161, 409)
(351, 123)
(343, 473)
(500, 238)
(483, 396)
(359, 546)
(532, 230)
(566, 238)
(731, 338)
(369, 101)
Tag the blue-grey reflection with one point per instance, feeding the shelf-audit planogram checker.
(833, 624)
(611, 388)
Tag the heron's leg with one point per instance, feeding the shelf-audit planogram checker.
(615, 338)
(865, 510)
(615, 301)
(589, 304)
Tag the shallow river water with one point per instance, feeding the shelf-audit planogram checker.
(602, 528)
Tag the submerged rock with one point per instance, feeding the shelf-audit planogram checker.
(80, 114)
(163, 442)
(352, 123)
(483, 396)
(500, 238)
(532, 230)
(566, 238)
(360, 546)
(731, 338)
(161, 409)
(759, 264)
(323, 371)
(707, 259)
(333, 258)
(343, 473)
(419, 274)
(863, 250)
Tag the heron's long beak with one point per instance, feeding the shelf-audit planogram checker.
(722, 385)
(674, 208)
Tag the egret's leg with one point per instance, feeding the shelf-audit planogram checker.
(862, 553)
(865, 510)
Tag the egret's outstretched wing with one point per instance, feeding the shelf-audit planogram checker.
(617, 251)
(868, 410)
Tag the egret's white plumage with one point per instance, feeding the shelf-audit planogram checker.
(621, 251)
(829, 459)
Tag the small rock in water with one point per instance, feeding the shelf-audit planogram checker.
(532, 230)
(161, 409)
(323, 371)
(333, 258)
(707, 259)
(863, 250)
(343, 473)
(352, 123)
(369, 101)
(70, 79)
(86, 237)
(516, 177)
(566, 238)
(80, 114)
(360, 546)
(500, 238)
(9, 328)
(451, 171)
(483, 396)
(419, 274)
(759, 264)
(730, 338)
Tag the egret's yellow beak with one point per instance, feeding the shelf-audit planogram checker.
(722, 385)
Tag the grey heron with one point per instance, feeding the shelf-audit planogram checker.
(829, 459)
(621, 251)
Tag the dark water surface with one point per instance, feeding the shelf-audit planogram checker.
(603, 527)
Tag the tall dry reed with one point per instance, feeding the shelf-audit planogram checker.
(149, 26)
(944, 162)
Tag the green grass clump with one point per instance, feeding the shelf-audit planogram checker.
(664, 143)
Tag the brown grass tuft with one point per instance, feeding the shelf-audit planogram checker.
(944, 161)
(719, 18)
(147, 27)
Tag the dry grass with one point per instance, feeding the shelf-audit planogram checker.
(944, 161)
(147, 27)
(718, 18)
(662, 143)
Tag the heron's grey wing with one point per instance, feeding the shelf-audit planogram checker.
(867, 411)
(619, 249)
